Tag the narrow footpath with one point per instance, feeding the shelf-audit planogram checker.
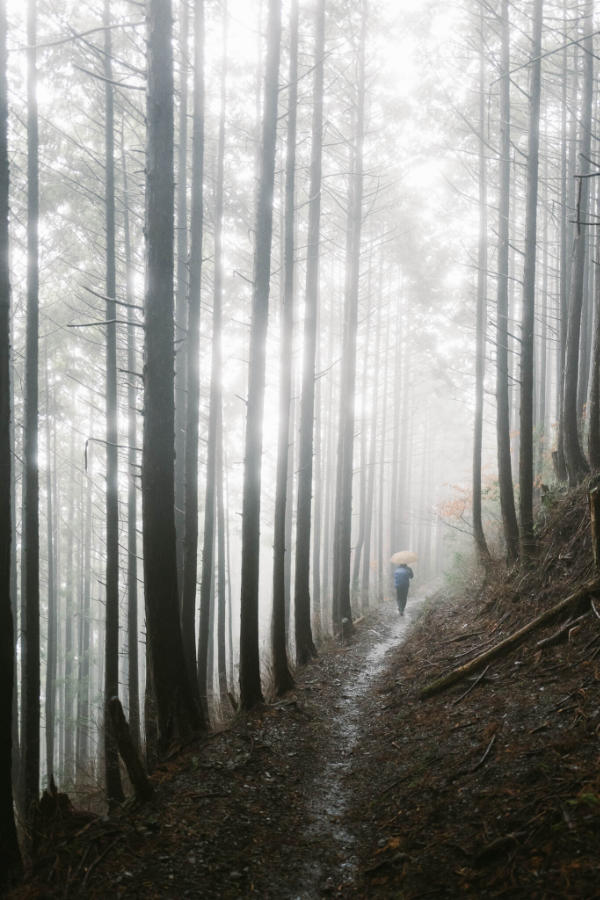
(263, 808)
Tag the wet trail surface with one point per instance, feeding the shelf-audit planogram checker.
(333, 838)
(263, 808)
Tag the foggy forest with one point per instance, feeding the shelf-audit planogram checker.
(295, 294)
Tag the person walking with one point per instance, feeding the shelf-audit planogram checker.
(402, 577)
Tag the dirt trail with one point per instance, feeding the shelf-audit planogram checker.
(330, 795)
(263, 808)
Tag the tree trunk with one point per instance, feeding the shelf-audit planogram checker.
(9, 847)
(481, 316)
(527, 541)
(190, 545)
(343, 520)
(216, 401)
(576, 462)
(132, 567)
(114, 790)
(177, 712)
(594, 413)
(282, 677)
(181, 294)
(30, 658)
(305, 648)
(51, 651)
(507, 499)
(250, 686)
(83, 674)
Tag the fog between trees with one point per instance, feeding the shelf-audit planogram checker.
(269, 262)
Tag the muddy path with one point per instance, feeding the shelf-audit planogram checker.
(262, 808)
(345, 761)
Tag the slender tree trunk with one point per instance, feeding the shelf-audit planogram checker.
(282, 677)
(343, 524)
(594, 414)
(527, 542)
(10, 868)
(576, 463)
(372, 458)
(132, 567)
(178, 715)
(481, 315)
(221, 571)
(114, 790)
(507, 499)
(51, 651)
(216, 400)
(559, 455)
(83, 692)
(30, 660)
(190, 546)
(250, 686)
(305, 647)
(181, 294)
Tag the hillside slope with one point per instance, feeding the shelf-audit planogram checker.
(492, 788)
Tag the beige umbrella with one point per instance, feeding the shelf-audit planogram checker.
(404, 556)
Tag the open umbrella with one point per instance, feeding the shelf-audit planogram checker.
(404, 556)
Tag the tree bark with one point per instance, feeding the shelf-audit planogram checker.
(114, 790)
(250, 686)
(190, 546)
(10, 869)
(343, 519)
(282, 676)
(132, 567)
(527, 541)
(181, 293)
(481, 316)
(30, 658)
(505, 482)
(305, 648)
(576, 462)
(215, 403)
(178, 715)
(51, 647)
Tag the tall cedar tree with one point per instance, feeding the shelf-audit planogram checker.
(305, 648)
(527, 544)
(181, 294)
(114, 790)
(281, 671)
(215, 405)
(132, 586)
(574, 458)
(190, 541)
(481, 315)
(9, 847)
(505, 482)
(250, 686)
(30, 658)
(51, 651)
(343, 514)
(177, 712)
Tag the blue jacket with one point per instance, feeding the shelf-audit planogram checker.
(402, 576)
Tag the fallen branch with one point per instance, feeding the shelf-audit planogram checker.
(485, 755)
(130, 756)
(562, 633)
(572, 603)
(470, 688)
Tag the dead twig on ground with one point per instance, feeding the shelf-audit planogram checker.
(474, 685)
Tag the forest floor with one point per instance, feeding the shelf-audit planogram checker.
(353, 786)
